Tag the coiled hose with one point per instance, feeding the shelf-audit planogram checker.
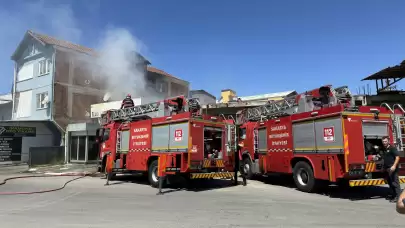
(79, 176)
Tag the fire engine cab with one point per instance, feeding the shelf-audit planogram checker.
(169, 137)
(320, 137)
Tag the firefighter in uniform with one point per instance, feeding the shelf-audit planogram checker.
(127, 102)
(391, 160)
(109, 168)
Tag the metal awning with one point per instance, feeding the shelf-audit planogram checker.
(397, 72)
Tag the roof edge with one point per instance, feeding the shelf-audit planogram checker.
(27, 33)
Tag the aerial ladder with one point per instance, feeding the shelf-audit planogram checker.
(398, 122)
(154, 109)
(304, 102)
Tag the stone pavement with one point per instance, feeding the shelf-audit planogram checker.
(23, 168)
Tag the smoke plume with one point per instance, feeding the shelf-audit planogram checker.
(119, 66)
(116, 65)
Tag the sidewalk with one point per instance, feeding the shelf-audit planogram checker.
(13, 168)
(23, 168)
(67, 168)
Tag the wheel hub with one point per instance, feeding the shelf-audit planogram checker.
(155, 177)
(246, 168)
(302, 177)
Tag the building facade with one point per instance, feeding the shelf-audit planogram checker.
(53, 87)
(165, 84)
(203, 96)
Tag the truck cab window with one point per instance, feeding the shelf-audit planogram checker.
(106, 134)
(242, 133)
(212, 142)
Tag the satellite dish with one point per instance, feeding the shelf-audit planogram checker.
(107, 96)
(45, 100)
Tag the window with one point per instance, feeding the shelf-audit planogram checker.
(44, 66)
(23, 105)
(162, 87)
(32, 50)
(106, 135)
(42, 100)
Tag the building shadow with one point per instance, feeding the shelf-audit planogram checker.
(175, 183)
(331, 191)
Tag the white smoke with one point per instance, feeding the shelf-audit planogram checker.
(116, 62)
(119, 66)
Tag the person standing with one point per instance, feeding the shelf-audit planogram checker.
(127, 102)
(391, 160)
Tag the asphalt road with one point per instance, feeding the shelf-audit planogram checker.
(87, 203)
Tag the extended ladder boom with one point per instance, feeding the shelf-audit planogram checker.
(294, 104)
(154, 109)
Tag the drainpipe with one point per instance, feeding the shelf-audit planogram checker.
(14, 86)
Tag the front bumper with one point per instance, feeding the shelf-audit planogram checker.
(223, 175)
(372, 182)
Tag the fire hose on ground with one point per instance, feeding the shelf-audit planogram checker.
(78, 175)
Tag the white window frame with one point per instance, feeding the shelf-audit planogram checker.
(32, 50)
(39, 99)
(47, 63)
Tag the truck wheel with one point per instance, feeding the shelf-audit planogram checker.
(304, 177)
(153, 174)
(247, 168)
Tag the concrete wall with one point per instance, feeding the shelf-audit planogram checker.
(6, 106)
(203, 97)
(6, 111)
(44, 136)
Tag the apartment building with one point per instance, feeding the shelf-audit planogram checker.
(53, 88)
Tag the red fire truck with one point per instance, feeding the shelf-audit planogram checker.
(319, 137)
(173, 133)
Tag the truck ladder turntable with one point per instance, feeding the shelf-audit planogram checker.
(303, 102)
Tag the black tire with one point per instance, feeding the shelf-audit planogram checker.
(247, 164)
(304, 177)
(153, 175)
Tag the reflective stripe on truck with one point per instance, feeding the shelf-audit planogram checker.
(372, 182)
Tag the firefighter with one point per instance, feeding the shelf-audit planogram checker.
(391, 160)
(127, 102)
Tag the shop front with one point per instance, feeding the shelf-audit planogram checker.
(81, 146)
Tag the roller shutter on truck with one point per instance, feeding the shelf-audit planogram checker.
(318, 136)
(170, 137)
(375, 129)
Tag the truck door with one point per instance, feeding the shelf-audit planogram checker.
(196, 144)
(179, 144)
(122, 148)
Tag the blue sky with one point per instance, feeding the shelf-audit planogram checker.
(253, 47)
